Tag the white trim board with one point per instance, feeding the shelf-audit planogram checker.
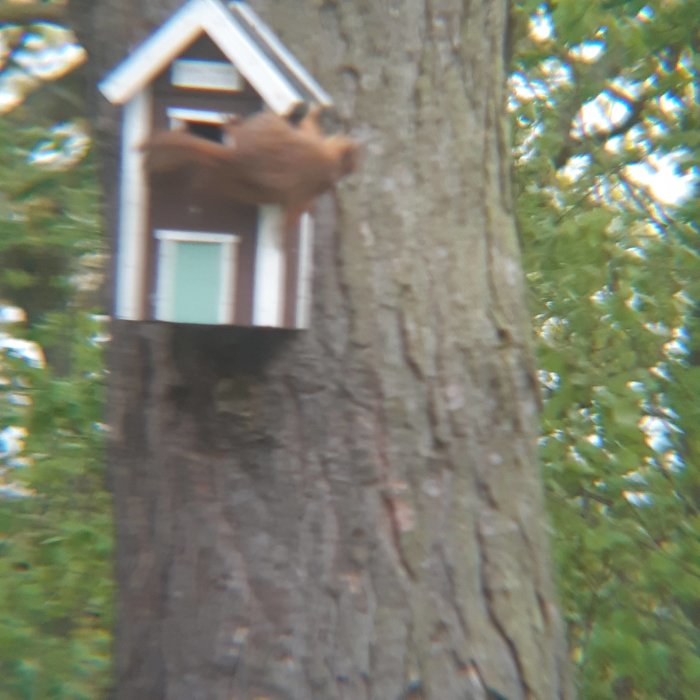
(165, 283)
(304, 271)
(133, 202)
(255, 67)
(281, 53)
(211, 17)
(139, 68)
(197, 74)
(269, 277)
(195, 236)
(205, 116)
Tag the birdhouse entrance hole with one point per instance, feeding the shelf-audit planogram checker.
(212, 132)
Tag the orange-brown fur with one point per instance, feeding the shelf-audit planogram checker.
(265, 160)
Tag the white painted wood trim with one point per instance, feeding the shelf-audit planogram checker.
(227, 295)
(305, 271)
(197, 74)
(268, 292)
(154, 54)
(284, 55)
(255, 67)
(194, 236)
(165, 286)
(185, 114)
(133, 204)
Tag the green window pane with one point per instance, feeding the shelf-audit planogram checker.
(197, 282)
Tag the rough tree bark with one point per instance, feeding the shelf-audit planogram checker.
(354, 511)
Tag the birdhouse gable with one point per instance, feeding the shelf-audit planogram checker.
(253, 50)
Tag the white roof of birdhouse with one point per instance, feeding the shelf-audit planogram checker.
(243, 38)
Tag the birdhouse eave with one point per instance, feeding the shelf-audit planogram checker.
(244, 39)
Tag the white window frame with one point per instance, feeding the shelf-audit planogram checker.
(165, 286)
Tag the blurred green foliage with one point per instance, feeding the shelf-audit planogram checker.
(614, 277)
(55, 515)
(56, 541)
(48, 212)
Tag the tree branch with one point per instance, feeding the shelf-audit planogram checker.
(650, 208)
(573, 145)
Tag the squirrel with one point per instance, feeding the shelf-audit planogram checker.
(263, 159)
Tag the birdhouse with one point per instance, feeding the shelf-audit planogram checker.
(183, 256)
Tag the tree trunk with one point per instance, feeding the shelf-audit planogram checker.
(353, 511)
